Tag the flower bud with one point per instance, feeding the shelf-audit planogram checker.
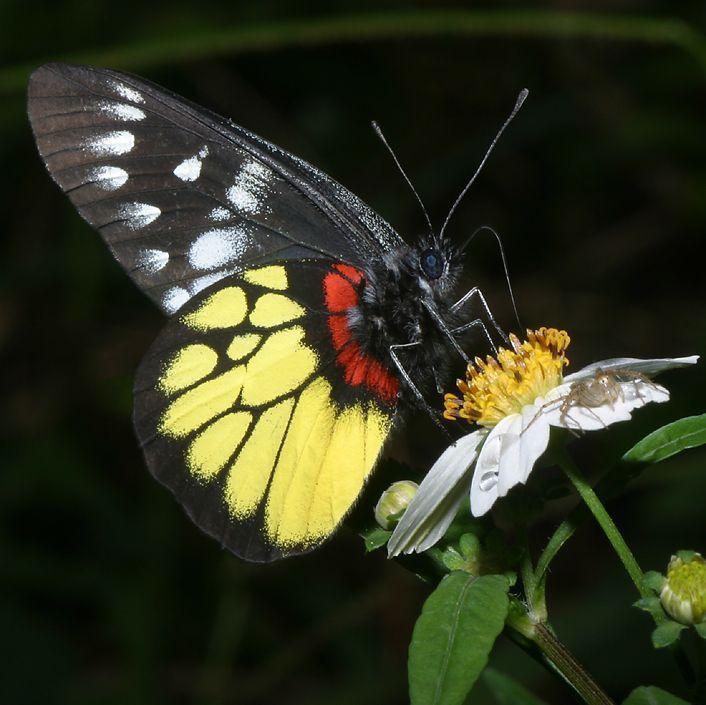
(394, 500)
(683, 595)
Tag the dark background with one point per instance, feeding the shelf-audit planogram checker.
(107, 593)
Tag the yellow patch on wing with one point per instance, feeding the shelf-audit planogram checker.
(188, 366)
(324, 462)
(242, 345)
(224, 309)
(341, 475)
(377, 429)
(214, 446)
(279, 367)
(250, 473)
(194, 408)
(302, 454)
(272, 277)
(272, 310)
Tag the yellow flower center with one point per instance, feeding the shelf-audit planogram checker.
(499, 386)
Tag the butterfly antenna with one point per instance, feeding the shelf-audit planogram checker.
(518, 104)
(378, 131)
(505, 267)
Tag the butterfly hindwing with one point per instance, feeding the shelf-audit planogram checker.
(259, 411)
(182, 197)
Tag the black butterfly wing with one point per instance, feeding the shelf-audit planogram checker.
(182, 197)
(258, 411)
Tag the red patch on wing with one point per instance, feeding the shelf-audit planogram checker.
(340, 294)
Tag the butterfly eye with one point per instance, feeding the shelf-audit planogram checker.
(432, 263)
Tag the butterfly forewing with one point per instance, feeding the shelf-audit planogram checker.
(259, 413)
(182, 197)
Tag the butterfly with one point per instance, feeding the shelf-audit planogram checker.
(300, 323)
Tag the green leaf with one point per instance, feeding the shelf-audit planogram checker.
(466, 557)
(470, 546)
(453, 560)
(669, 440)
(375, 538)
(649, 604)
(453, 636)
(653, 580)
(666, 633)
(507, 691)
(649, 695)
(701, 629)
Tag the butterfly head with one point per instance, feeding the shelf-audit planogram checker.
(432, 263)
(437, 264)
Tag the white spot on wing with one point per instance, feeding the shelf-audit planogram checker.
(190, 169)
(108, 178)
(251, 187)
(175, 298)
(138, 215)
(217, 247)
(118, 142)
(128, 93)
(153, 260)
(205, 281)
(219, 214)
(121, 111)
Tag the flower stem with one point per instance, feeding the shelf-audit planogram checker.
(560, 536)
(527, 572)
(569, 668)
(599, 512)
(536, 639)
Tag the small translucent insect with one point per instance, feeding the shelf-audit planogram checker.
(604, 388)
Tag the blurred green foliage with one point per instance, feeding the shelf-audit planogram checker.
(109, 594)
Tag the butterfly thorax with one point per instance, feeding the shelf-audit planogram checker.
(394, 310)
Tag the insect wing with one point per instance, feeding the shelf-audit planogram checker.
(259, 414)
(183, 197)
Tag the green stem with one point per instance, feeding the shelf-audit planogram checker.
(563, 660)
(561, 535)
(527, 572)
(566, 529)
(606, 523)
(200, 44)
(534, 588)
(537, 640)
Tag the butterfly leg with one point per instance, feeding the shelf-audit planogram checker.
(445, 330)
(473, 324)
(476, 292)
(412, 386)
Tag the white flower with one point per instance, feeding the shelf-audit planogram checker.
(516, 398)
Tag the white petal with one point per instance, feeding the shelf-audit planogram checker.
(535, 438)
(438, 498)
(646, 367)
(523, 442)
(510, 469)
(484, 486)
